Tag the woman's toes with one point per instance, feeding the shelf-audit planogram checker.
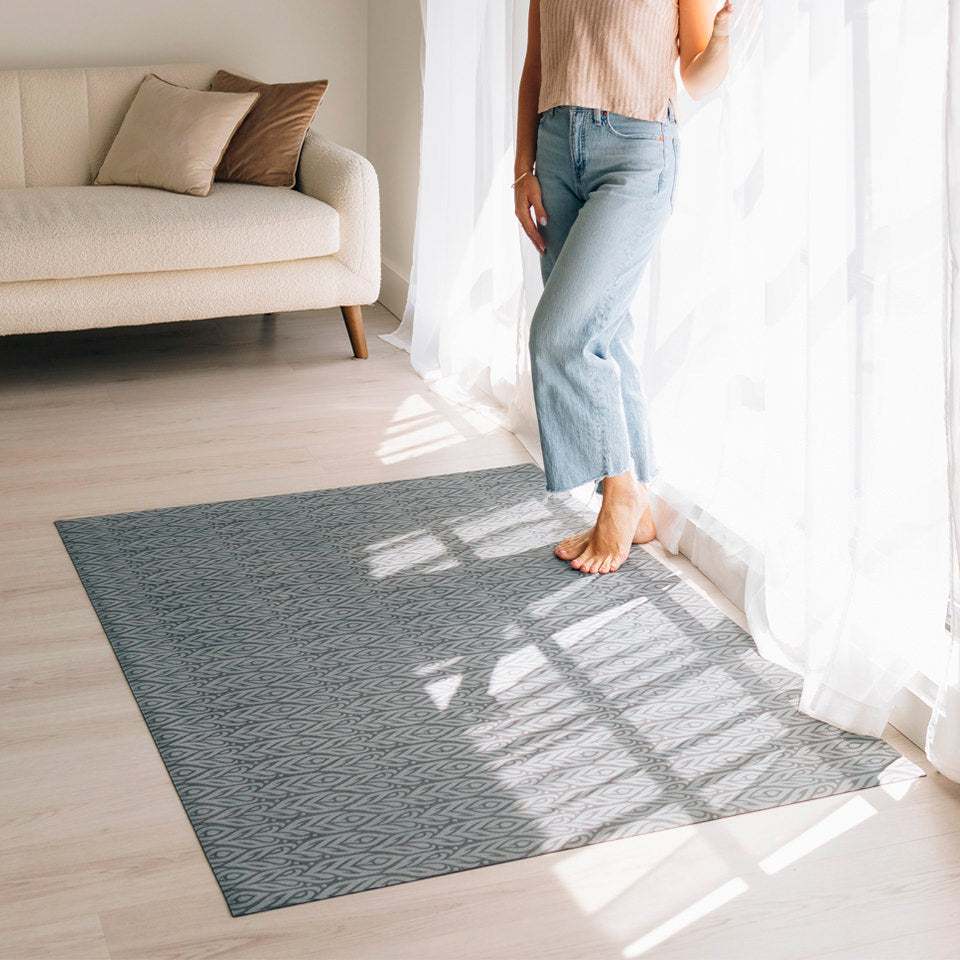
(572, 546)
(590, 565)
(610, 564)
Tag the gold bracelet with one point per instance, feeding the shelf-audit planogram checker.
(522, 175)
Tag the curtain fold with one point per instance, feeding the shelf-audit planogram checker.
(943, 734)
(795, 325)
(473, 285)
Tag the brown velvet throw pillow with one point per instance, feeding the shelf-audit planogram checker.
(266, 147)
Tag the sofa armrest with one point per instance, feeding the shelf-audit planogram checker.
(348, 183)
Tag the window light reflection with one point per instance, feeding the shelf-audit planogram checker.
(595, 879)
(443, 690)
(573, 634)
(696, 911)
(403, 553)
(853, 812)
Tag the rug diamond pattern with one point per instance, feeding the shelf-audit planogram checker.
(359, 687)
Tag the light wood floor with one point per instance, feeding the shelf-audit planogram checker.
(98, 858)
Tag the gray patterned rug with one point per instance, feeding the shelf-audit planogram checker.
(359, 687)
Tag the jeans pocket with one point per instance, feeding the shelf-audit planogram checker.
(632, 128)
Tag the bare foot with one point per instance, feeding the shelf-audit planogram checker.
(624, 519)
(646, 529)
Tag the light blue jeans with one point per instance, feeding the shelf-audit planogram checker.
(609, 184)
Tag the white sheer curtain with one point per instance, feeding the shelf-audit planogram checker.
(943, 735)
(473, 285)
(792, 325)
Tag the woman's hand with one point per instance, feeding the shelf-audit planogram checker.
(721, 22)
(528, 206)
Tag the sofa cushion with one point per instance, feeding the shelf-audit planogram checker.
(174, 137)
(59, 123)
(55, 233)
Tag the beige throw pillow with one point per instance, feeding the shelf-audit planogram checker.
(267, 146)
(174, 137)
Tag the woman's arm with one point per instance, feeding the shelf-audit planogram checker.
(704, 41)
(526, 192)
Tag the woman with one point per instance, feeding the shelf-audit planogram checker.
(596, 169)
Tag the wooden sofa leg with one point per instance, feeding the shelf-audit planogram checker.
(353, 318)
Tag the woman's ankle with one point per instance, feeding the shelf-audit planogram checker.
(624, 486)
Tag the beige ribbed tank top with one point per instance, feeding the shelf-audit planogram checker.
(615, 55)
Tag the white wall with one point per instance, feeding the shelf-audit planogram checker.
(394, 37)
(274, 41)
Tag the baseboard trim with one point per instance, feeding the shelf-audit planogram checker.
(911, 715)
(394, 286)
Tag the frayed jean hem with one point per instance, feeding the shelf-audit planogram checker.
(597, 482)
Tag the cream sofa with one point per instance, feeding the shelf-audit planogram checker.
(74, 256)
